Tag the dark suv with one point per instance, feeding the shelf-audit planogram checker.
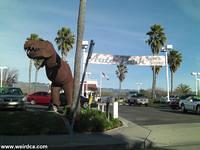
(12, 98)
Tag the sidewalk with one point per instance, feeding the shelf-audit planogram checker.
(130, 136)
(176, 136)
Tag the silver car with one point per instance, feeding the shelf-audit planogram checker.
(138, 99)
(12, 98)
(191, 103)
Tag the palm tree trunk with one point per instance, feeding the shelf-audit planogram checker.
(30, 69)
(62, 55)
(154, 84)
(120, 87)
(36, 75)
(77, 65)
(172, 84)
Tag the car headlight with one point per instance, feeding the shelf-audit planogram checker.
(24, 99)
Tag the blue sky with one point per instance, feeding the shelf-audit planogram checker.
(117, 27)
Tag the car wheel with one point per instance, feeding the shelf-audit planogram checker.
(85, 105)
(198, 109)
(32, 102)
(183, 108)
(129, 103)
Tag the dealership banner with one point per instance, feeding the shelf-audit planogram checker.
(129, 60)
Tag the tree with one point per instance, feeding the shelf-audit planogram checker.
(156, 41)
(10, 77)
(77, 64)
(174, 61)
(65, 40)
(33, 36)
(120, 72)
(157, 70)
(182, 89)
(37, 64)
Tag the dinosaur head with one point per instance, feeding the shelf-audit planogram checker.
(39, 50)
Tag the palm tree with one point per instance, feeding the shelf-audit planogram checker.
(157, 70)
(183, 89)
(120, 72)
(33, 36)
(77, 63)
(37, 64)
(156, 41)
(65, 40)
(174, 61)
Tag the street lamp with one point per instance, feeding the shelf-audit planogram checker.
(2, 68)
(165, 49)
(138, 86)
(196, 80)
(102, 76)
(198, 85)
(84, 55)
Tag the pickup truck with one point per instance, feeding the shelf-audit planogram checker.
(138, 99)
(191, 103)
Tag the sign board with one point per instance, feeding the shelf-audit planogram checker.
(129, 60)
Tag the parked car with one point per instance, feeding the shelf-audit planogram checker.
(163, 99)
(40, 98)
(174, 102)
(138, 99)
(12, 98)
(83, 100)
(191, 103)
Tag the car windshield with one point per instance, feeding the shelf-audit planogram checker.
(11, 91)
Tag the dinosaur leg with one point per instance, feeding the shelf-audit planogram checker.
(55, 95)
(68, 89)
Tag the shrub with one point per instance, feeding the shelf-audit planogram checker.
(92, 120)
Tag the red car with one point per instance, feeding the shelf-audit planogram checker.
(40, 98)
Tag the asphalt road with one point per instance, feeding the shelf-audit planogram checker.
(156, 116)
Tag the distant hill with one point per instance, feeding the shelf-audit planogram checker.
(38, 86)
(45, 87)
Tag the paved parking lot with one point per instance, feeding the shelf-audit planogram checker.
(156, 116)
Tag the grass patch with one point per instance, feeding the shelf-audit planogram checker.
(30, 123)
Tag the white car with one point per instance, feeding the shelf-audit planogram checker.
(191, 103)
(138, 99)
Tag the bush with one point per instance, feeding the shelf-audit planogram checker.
(92, 120)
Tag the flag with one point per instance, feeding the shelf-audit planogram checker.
(104, 76)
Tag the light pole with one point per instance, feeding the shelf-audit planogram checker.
(198, 86)
(102, 76)
(196, 80)
(2, 68)
(165, 49)
(84, 55)
(138, 86)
